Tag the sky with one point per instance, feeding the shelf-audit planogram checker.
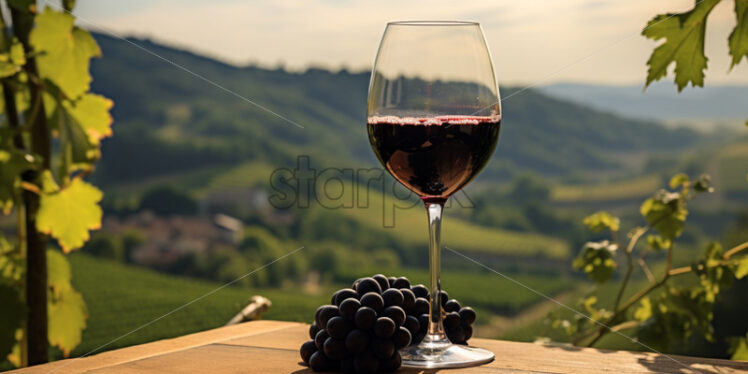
(533, 42)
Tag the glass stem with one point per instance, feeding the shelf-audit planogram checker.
(436, 329)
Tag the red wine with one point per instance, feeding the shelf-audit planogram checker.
(434, 157)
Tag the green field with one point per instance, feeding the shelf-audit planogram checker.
(732, 168)
(123, 298)
(635, 188)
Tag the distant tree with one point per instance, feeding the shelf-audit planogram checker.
(166, 201)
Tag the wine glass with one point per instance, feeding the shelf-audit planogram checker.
(433, 118)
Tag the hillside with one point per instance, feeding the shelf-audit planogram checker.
(167, 120)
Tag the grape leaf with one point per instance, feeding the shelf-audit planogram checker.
(67, 320)
(679, 180)
(17, 54)
(742, 269)
(58, 272)
(739, 348)
(12, 163)
(64, 52)
(596, 260)
(11, 316)
(666, 212)
(91, 112)
(57, 204)
(82, 124)
(7, 67)
(738, 40)
(684, 45)
(602, 220)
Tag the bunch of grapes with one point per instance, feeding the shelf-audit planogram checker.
(365, 325)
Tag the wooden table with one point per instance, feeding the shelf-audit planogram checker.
(272, 347)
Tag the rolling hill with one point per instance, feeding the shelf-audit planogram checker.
(167, 120)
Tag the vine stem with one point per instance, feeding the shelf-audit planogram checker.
(735, 250)
(630, 263)
(638, 296)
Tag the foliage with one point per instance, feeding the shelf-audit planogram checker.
(662, 312)
(49, 141)
(684, 35)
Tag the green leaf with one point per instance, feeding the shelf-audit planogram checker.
(82, 124)
(12, 315)
(91, 113)
(67, 309)
(64, 52)
(67, 319)
(644, 311)
(742, 270)
(658, 243)
(17, 54)
(12, 163)
(738, 40)
(679, 180)
(684, 44)
(596, 260)
(739, 348)
(666, 212)
(56, 204)
(703, 184)
(602, 220)
(7, 67)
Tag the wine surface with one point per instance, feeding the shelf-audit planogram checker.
(434, 157)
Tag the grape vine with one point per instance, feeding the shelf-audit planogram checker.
(50, 134)
(665, 310)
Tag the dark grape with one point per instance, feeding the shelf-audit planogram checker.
(345, 293)
(334, 349)
(319, 340)
(409, 299)
(392, 297)
(367, 285)
(353, 285)
(384, 327)
(401, 282)
(401, 338)
(373, 301)
(451, 320)
(318, 362)
(396, 313)
(313, 330)
(391, 280)
(444, 297)
(421, 306)
(423, 321)
(325, 313)
(383, 348)
(420, 291)
(346, 366)
(357, 341)
(452, 306)
(339, 327)
(307, 349)
(411, 323)
(366, 363)
(391, 364)
(468, 331)
(382, 280)
(456, 335)
(467, 314)
(365, 318)
(348, 308)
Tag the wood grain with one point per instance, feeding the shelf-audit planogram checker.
(272, 347)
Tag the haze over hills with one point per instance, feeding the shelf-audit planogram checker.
(709, 105)
(167, 120)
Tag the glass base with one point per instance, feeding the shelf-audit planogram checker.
(440, 353)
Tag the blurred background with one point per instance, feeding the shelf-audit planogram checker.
(188, 194)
